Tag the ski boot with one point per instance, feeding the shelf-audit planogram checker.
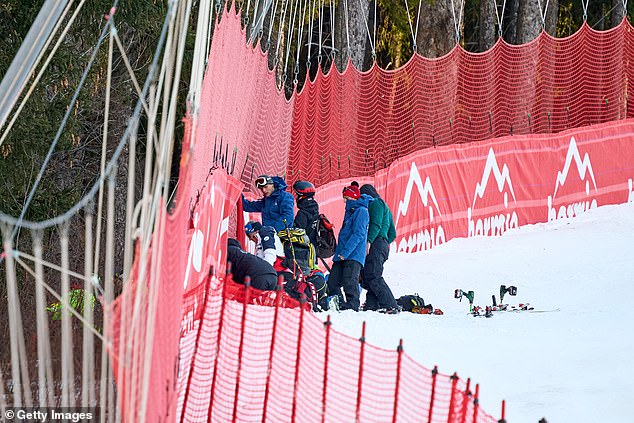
(332, 303)
(511, 290)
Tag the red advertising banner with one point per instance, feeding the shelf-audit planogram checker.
(486, 188)
(206, 266)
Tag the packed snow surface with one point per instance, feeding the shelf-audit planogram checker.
(571, 365)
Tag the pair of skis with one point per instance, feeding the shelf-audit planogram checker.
(487, 311)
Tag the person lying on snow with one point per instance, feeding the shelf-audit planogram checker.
(276, 205)
(263, 275)
(349, 255)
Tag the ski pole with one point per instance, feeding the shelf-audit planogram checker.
(295, 265)
(325, 265)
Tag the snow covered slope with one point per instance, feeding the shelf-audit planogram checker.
(572, 365)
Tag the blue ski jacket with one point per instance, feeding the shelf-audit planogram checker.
(354, 231)
(275, 208)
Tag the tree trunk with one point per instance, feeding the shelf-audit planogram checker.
(618, 12)
(529, 21)
(510, 22)
(487, 32)
(351, 34)
(436, 30)
(552, 15)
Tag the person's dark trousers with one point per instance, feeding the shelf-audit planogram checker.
(379, 295)
(345, 274)
(266, 282)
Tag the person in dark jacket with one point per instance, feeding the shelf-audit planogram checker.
(263, 275)
(349, 255)
(381, 232)
(307, 216)
(276, 205)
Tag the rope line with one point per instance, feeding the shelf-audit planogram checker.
(104, 145)
(58, 135)
(348, 51)
(500, 17)
(321, 28)
(367, 28)
(409, 21)
(300, 34)
(332, 33)
(420, 3)
(310, 34)
(289, 36)
(542, 13)
(115, 156)
(45, 65)
(268, 41)
(279, 32)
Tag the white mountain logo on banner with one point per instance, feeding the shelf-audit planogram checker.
(498, 224)
(583, 166)
(630, 193)
(427, 238)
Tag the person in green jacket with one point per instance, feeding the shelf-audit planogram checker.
(381, 232)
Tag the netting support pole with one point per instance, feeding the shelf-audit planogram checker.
(452, 398)
(236, 396)
(302, 303)
(502, 417)
(278, 297)
(434, 372)
(327, 325)
(476, 403)
(360, 382)
(399, 358)
(465, 402)
(192, 366)
(218, 340)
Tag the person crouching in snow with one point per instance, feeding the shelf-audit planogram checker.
(349, 255)
(276, 205)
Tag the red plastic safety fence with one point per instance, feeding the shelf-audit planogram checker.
(283, 365)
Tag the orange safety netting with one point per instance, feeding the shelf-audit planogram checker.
(356, 123)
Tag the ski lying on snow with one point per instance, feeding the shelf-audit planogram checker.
(488, 311)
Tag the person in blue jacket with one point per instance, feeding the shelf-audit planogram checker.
(349, 255)
(276, 205)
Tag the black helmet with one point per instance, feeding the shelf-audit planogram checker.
(304, 188)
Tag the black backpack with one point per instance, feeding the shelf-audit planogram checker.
(413, 303)
(298, 250)
(326, 240)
